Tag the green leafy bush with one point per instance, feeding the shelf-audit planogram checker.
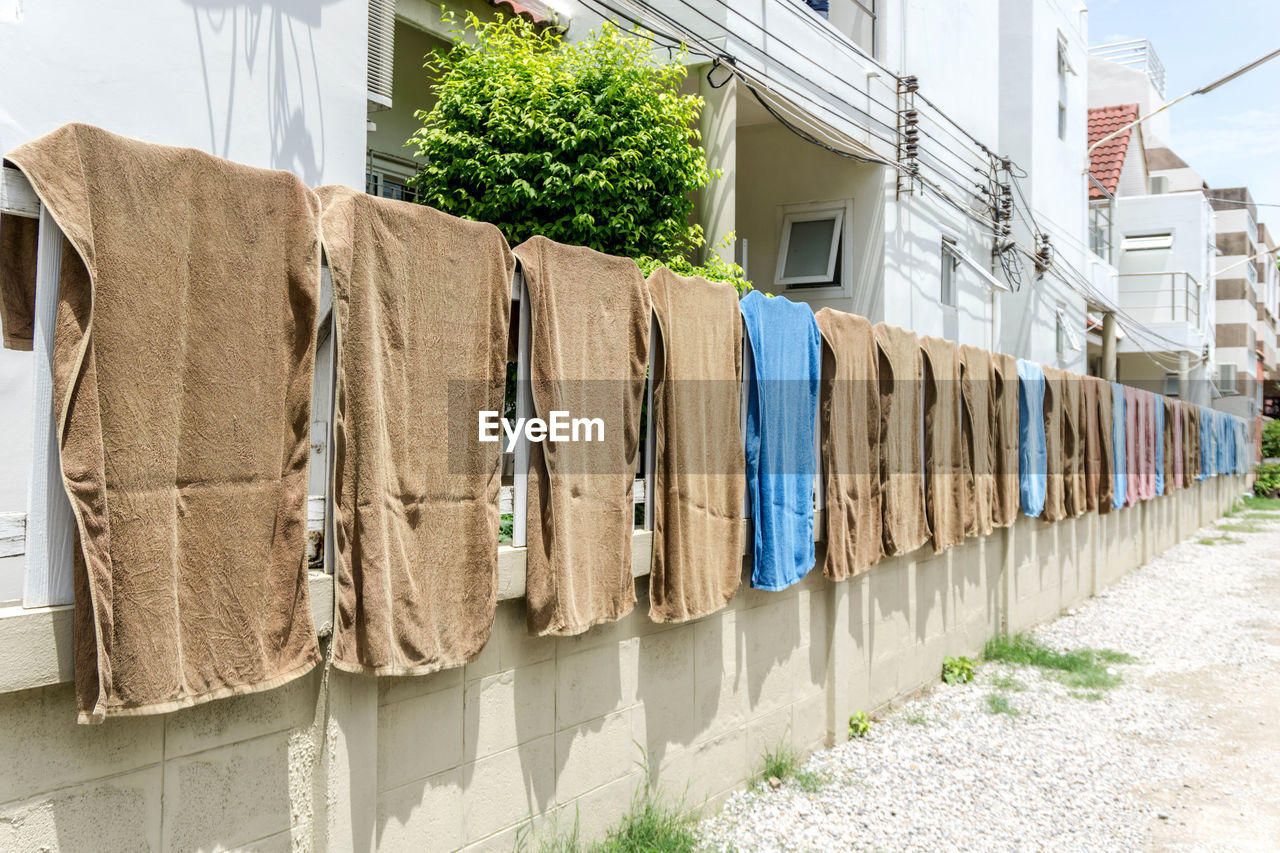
(1271, 439)
(589, 143)
(1267, 484)
(859, 725)
(715, 269)
(957, 670)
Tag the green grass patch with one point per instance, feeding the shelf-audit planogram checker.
(915, 718)
(1259, 503)
(1086, 695)
(1081, 669)
(998, 703)
(1242, 524)
(1218, 540)
(1008, 683)
(811, 781)
(781, 762)
(651, 825)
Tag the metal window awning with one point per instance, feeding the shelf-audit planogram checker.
(985, 274)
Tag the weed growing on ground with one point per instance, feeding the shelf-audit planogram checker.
(1258, 503)
(1086, 695)
(1008, 683)
(1242, 524)
(811, 781)
(1218, 540)
(915, 718)
(651, 825)
(957, 670)
(782, 763)
(1082, 669)
(859, 725)
(998, 703)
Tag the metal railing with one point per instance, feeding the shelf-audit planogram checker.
(1136, 53)
(1162, 297)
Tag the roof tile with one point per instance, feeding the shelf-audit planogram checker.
(1107, 159)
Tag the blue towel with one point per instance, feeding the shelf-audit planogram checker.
(1033, 468)
(1159, 406)
(782, 402)
(1226, 445)
(1119, 455)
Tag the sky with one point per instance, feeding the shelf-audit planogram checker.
(1231, 136)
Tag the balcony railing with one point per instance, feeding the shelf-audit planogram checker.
(1137, 53)
(1161, 297)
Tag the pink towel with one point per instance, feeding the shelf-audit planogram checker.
(1133, 445)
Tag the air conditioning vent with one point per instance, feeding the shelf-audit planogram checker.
(382, 48)
(1227, 380)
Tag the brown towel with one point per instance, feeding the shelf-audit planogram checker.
(18, 272)
(698, 478)
(1004, 422)
(901, 372)
(1074, 420)
(979, 431)
(947, 502)
(589, 349)
(183, 361)
(1190, 443)
(1055, 493)
(422, 302)
(1170, 423)
(850, 443)
(1104, 424)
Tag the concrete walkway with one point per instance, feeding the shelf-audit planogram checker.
(1184, 754)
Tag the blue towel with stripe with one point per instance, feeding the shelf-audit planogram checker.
(1159, 406)
(1033, 465)
(782, 405)
(1119, 456)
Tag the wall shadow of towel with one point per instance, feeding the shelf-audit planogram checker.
(254, 37)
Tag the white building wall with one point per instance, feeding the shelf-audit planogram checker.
(277, 84)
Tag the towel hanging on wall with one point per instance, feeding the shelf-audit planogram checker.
(1005, 440)
(589, 348)
(698, 478)
(1032, 464)
(901, 368)
(782, 405)
(1120, 444)
(1055, 444)
(182, 369)
(948, 505)
(979, 430)
(850, 443)
(422, 312)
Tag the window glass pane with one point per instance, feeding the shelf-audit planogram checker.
(809, 248)
(1148, 241)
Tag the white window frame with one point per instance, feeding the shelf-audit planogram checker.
(1153, 242)
(842, 212)
(948, 280)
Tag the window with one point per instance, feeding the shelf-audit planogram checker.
(811, 245)
(863, 31)
(1060, 331)
(1062, 120)
(1100, 228)
(1226, 379)
(1147, 242)
(388, 176)
(950, 262)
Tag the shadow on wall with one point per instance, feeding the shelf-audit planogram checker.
(276, 39)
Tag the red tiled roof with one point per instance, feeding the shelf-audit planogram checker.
(514, 8)
(1107, 159)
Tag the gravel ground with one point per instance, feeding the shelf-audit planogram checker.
(1183, 754)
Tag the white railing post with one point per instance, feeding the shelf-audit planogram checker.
(50, 524)
(524, 409)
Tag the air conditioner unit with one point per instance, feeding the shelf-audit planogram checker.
(1159, 184)
(1227, 380)
(382, 48)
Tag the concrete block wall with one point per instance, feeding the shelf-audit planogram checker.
(538, 734)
